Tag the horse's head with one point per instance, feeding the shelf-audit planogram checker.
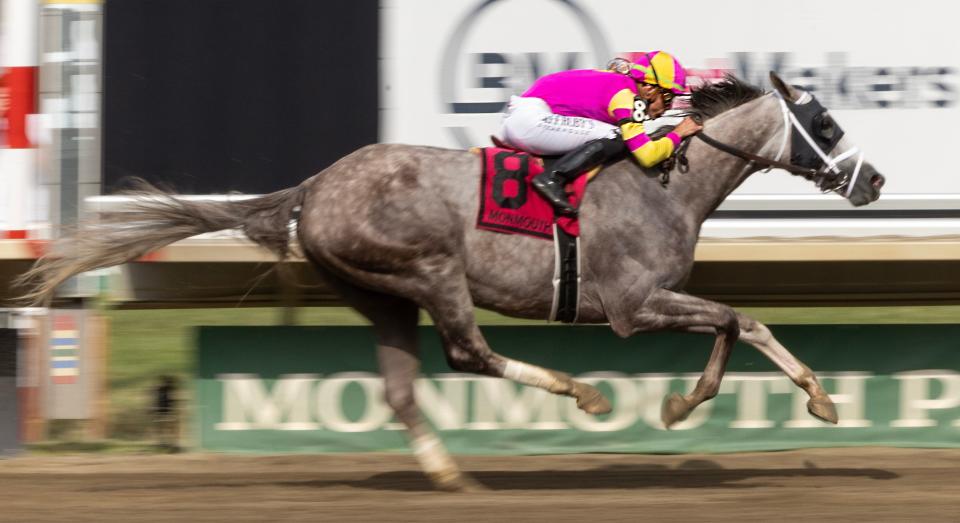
(818, 143)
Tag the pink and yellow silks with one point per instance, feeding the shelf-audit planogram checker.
(608, 96)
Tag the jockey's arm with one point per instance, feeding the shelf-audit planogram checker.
(647, 151)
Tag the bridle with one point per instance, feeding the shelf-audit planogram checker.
(822, 168)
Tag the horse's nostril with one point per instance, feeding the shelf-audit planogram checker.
(877, 181)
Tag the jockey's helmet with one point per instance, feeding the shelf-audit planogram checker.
(659, 68)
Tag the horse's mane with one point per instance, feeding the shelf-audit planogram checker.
(712, 99)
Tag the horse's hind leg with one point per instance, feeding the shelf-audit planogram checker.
(757, 334)
(466, 350)
(395, 327)
(399, 360)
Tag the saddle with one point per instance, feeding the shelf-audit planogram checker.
(508, 204)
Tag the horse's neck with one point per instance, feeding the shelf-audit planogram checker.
(756, 127)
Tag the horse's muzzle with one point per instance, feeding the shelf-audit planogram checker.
(876, 182)
(866, 188)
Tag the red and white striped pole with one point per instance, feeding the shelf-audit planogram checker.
(18, 157)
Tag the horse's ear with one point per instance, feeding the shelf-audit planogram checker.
(788, 92)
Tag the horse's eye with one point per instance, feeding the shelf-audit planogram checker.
(826, 127)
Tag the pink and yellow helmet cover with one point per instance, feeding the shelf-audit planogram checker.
(658, 68)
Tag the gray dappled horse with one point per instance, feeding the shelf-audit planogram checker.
(391, 228)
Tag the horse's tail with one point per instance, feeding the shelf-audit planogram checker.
(155, 220)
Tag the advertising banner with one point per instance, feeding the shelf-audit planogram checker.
(316, 389)
(448, 84)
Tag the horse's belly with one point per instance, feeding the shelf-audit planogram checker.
(510, 274)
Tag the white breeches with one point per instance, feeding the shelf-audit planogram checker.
(530, 125)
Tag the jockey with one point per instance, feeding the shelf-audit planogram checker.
(589, 115)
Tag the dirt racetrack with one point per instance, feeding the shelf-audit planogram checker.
(825, 484)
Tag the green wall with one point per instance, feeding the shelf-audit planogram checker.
(315, 389)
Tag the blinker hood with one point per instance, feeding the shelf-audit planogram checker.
(810, 116)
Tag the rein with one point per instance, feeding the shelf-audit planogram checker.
(790, 121)
(765, 162)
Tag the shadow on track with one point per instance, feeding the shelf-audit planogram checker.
(690, 474)
(702, 474)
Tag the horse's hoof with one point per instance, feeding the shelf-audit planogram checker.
(456, 482)
(591, 400)
(673, 410)
(822, 407)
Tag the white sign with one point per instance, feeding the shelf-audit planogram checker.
(890, 74)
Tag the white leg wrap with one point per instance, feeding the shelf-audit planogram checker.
(432, 455)
(530, 375)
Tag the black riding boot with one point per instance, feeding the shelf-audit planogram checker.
(570, 165)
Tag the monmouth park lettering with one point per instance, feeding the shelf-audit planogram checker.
(353, 402)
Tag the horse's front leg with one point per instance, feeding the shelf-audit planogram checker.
(667, 310)
(757, 334)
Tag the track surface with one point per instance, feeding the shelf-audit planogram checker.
(825, 484)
